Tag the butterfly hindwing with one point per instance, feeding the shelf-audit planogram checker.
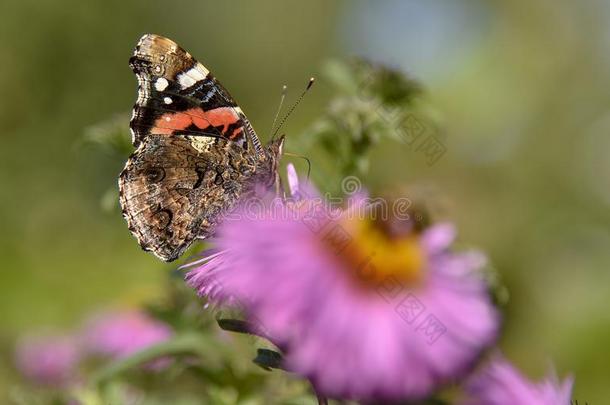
(179, 96)
(172, 193)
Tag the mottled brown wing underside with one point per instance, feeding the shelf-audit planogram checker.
(172, 193)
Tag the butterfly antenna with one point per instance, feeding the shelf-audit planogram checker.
(309, 84)
(279, 108)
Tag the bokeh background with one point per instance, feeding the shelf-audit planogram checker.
(520, 88)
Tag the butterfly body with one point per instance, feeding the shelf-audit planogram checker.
(196, 153)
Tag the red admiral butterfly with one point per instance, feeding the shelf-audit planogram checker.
(196, 155)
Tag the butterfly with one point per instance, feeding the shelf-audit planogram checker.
(196, 154)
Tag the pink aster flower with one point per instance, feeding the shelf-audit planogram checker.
(121, 334)
(48, 360)
(501, 384)
(363, 308)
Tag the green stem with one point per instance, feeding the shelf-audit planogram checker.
(189, 343)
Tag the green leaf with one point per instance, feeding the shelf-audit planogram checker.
(239, 326)
(268, 359)
(235, 325)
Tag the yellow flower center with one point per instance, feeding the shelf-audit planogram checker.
(374, 255)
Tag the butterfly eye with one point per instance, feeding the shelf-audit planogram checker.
(155, 174)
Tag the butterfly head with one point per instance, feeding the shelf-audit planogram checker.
(275, 147)
(269, 163)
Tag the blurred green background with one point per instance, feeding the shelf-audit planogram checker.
(521, 90)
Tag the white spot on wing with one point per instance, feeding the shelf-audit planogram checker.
(161, 84)
(199, 72)
(201, 143)
(186, 81)
(167, 100)
(192, 76)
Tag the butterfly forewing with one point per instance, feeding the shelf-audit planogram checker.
(179, 96)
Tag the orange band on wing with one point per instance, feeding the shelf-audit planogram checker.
(177, 121)
(236, 133)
